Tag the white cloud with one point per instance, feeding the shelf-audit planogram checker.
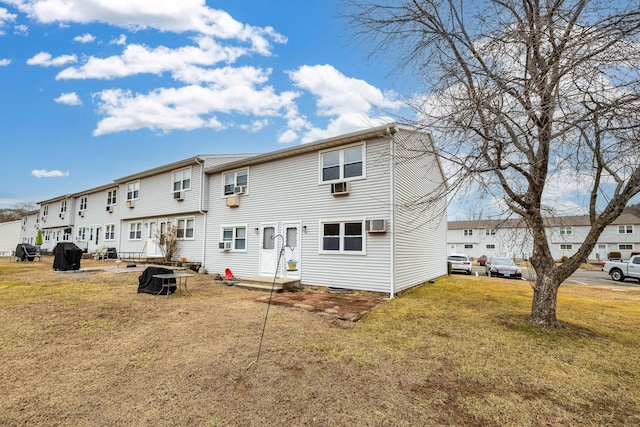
(5, 18)
(46, 60)
(68, 99)
(42, 173)
(85, 38)
(4, 62)
(186, 108)
(350, 102)
(139, 59)
(21, 29)
(121, 41)
(164, 15)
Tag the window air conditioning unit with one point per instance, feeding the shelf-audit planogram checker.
(339, 188)
(178, 196)
(109, 209)
(225, 246)
(376, 226)
(233, 202)
(61, 215)
(241, 189)
(130, 203)
(44, 219)
(81, 213)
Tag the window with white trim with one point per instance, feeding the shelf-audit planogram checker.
(182, 180)
(185, 228)
(63, 206)
(66, 234)
(82, 232)
(625, 247)
(110, 232)
(566, 230)
(135, 231)
(112, 196)
(489, 232)
(625, 229)
(468, 246)
(566, 247)
(490, 246)
(133, 190)
(468, 232)
(343, 237)
(235, 179)
(343, 164)
(83, 203)
(45, 211)
(237, 235)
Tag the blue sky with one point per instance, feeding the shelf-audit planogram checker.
(93, 90)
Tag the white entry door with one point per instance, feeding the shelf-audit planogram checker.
(152, 239)
(292, 249)
(270, 244)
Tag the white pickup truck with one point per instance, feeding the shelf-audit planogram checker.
(620, 270)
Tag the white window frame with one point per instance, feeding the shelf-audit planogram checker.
(45, 211)
(63, 206)
(234, 236)
(490, 246)
(566, 246)
(468, 232)
(341, 237)
(490, 232)
(183, 229)
(109, 232)
(82, 234)
(566, 230)
(133, 190)
(66, 237)
(235, 173)
(112, 197)
(83, 203)
(181, 180)
(624, 246)
(135, 227)
(625, 229)
(468, 246)
(341, 163)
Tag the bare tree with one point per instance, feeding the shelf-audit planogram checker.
(17, 211)
(521, 94)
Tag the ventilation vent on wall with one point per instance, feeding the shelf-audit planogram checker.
(233, 202)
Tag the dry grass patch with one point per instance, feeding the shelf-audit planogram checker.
(85, 349)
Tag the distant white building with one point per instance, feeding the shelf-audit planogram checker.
(565, 235)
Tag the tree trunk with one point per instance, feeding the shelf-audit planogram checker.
(543, 310)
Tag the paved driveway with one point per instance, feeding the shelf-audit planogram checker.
(580, 277)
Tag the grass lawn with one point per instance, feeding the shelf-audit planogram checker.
(85, 349)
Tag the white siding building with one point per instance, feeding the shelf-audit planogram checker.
(349, 212)
(342, 208)
(565, 234)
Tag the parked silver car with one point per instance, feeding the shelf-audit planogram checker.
(503, 267)
(460, 262)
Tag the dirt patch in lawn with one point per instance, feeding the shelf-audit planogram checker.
(342, 305)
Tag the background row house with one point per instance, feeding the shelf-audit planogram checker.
(343, 211)
(565, 234)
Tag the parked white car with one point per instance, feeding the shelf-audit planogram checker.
(620, 270)
(460, 262)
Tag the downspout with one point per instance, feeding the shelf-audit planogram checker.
(204, 214)
(392, 210)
